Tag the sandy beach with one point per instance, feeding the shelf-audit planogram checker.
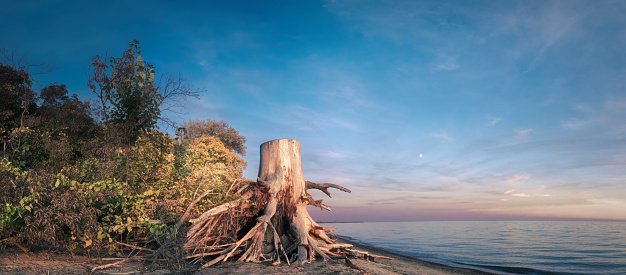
(14, 261)
(399, 265)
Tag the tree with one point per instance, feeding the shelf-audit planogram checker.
(209, 128)
(64, 125)
(128, 94)
(61, 112)
(16, 97)
(269, 220)
(16, 100)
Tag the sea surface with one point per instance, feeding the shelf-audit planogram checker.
(502, 247)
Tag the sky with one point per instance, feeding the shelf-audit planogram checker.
(426, 110)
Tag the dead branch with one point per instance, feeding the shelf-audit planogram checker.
(109, 265)
(16, 244)
(134, 246)
(350, 264)
(318, 203)
(191, 205)
(324, 187)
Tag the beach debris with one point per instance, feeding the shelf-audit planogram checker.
(109, 265)
(268, 220)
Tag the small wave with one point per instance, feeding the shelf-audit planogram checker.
(515, 270)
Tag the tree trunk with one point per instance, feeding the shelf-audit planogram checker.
(281, 169)
(282, 227)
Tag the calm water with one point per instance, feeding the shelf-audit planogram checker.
(503, 247)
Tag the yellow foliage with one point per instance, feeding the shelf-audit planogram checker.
(212, 164)
(209, 128)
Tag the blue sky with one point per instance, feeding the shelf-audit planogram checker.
(517, 108)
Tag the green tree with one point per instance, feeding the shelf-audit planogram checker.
(63, 125)
(129, 95)
(126, 90)
(15, 93)
(16, 101)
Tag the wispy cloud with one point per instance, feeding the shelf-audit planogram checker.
(578, 124)
(523, 133)
(447, 63)
(442, 135)
(332, 154)
(447, 179)
(513, 193)
(517, 179)
(492, 120)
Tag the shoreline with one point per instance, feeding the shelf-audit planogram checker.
(15, 261)
(400, 264)
(399, 260)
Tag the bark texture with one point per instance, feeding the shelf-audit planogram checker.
(269, 220)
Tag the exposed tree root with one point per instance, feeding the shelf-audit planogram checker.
(266, 222)
(269, 220)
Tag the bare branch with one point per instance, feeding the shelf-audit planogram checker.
(313, 202)
(134, 246)
(109, 265)
(191, 205)
(10, 55)
(324, 187)
(175, 89)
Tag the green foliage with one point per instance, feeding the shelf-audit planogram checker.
(134, 98)
(128, 95)
(70, 180)
(15, 95)
(159, 229)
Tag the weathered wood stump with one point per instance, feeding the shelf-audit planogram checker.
(270, 220)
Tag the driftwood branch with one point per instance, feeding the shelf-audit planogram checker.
(109, 265)
(324, 187)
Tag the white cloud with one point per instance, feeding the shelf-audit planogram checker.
(517, 179)
(442, 135)
(535, 193)
(493, 120)
(578, 124)
(523, 133)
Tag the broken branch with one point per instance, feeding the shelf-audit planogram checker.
(324, 187)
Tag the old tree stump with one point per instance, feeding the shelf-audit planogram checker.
(268, 219)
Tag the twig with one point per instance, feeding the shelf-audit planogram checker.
(134, 246)
(352, 265)
(109, 265)
(191, 205)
